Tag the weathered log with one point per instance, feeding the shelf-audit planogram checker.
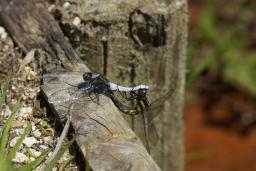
(102, 134)
(142, 41)
(31, 26)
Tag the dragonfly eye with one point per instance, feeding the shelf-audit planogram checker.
(142, 92)
(87, 76)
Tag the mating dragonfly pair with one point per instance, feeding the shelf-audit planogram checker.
(93, 85)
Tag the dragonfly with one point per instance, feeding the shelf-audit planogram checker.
(93, 84)
(148, 111)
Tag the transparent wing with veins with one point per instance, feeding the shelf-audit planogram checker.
(63, 89)
(154, 111)
(66, 94)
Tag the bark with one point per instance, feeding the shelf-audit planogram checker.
(31, 26)
(102, 134)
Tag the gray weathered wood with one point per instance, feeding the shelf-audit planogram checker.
(144, 42)
(31, 26)
(102, 134)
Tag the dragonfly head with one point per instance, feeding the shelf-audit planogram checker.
(142, 92)
(87, 76)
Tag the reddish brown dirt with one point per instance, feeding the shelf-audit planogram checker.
(212, 148)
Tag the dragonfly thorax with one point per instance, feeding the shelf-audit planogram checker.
(95, 83)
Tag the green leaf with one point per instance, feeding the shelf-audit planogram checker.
(6, 129)
(196, 71)
(3, 91)
(1, 133)
(50, 165)
(12, 153)
(64, 165)
(35, 163)
(206, 24)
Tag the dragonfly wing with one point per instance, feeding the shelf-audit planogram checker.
(64, 95)
(63, 78)
(152, 134)
(152, 112)
(157, 105)
(150, 128)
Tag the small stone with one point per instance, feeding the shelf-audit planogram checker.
(40, 141)
(3, 34)
(20, 158)
(50, 154)
(52, 8)
(31, 158)
(13, 141)
(43, 147)
(13, 87)
(43, 123)
(66, 4)
(25, 111)
(19, 131)
(35, 153)
(29, 141)
(37, 133)
(77, 21)
(48, 140)
(19, 124)
(33, 126)
(30, 74)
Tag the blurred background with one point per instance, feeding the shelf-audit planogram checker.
(220, 110)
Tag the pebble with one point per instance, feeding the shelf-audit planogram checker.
(30, 74)
(25, 111)
(52, 8)
(76, 21)
(33, 126)
(31, 158)
(19, 131)
(3, 34)
(19, 124)
(48, 140)
(35, 153)
(43, 147)
(43, 123)
(49, 154)
(29, 141)
(13, 87)
(66, 4)
(20, 158)
(37, 133)
(40, 141)
(13, 141)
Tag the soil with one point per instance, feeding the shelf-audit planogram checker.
(211, 147)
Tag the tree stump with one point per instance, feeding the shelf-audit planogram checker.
(107, 146)
(132, 42)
